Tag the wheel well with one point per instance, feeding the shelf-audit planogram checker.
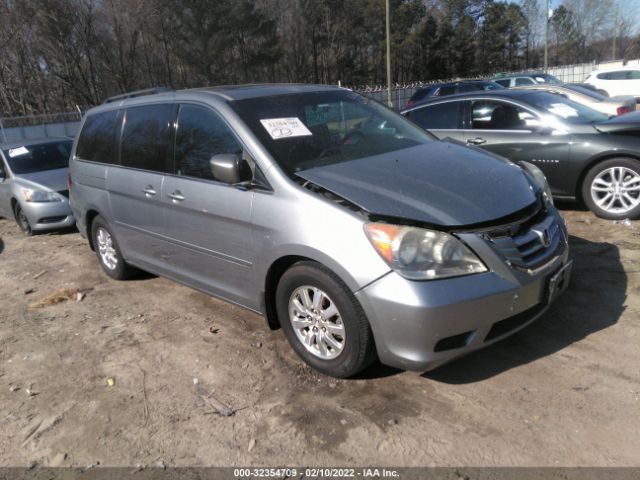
(593, 163)
(91, 214)
(13, 204)
(276, 270)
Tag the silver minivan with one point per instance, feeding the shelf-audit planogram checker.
(355, 231)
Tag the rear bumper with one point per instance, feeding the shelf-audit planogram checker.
(48, 215)
(422, 325)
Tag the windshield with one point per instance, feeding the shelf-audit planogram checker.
(306, 130)
(39, 157)
(565, 109)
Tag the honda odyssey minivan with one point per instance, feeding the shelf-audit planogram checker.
(355, 231)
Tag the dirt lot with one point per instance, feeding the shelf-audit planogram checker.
(565, 391)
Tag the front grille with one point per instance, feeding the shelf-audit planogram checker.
(530, 244)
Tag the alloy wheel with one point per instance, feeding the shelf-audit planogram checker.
(106, 249)
(616, 190)
(317, 322)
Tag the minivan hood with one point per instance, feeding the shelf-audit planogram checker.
(54, 179)
(439, 183)
(622, 123)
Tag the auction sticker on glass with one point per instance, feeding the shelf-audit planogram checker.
(285, 127)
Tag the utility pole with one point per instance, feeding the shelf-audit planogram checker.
(546, 38)
(615, 35)
(389, 102)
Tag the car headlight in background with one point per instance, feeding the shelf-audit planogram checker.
(538, 178)
(38, 196)
(421, 254)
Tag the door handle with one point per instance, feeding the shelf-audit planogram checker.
(476, 141)
(149, 191)
(176, 196)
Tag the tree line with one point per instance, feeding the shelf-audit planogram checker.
(56, 54)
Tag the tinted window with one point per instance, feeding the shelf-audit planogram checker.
(524, 81)
(466, 87)
(40, 157)
(492, 115)
(440, 116)
(305, 130)
(634, 75)
(505, 83)
(201, 134)
(619, 75)
(97, 140)
(448, 90)
(420, 94)
(145, 139)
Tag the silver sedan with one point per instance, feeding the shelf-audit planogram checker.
(33, 184)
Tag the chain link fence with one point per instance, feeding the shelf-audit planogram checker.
(66, 124)
(15, 129)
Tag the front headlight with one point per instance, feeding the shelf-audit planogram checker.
(420, 254)
(31, 195)
(538, 178)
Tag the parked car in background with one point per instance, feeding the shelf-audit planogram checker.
(616, 81)
(588, 86)
(525, 78)
(451, 88)
(583, 153)
(33, 184)
(348, 226)
(609, 105)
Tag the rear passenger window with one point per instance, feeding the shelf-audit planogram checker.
(450, 90)
(145, 138)
(524, 81)
(97, 141)
(201, 134)
(440, 116)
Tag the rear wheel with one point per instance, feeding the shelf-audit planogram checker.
(108, 251)
(323, 321)
(22, 220)
(611, 189)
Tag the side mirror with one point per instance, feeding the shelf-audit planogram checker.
(230, 168)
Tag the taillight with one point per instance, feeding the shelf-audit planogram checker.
(622, 110)
(69, 181)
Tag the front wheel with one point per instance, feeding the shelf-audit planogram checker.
(22, 220)
(108, 251)
(323, 321)
(611, 189)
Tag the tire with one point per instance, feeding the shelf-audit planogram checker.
(600, 185)
(108, 252)
(348, 346)
(22, 220)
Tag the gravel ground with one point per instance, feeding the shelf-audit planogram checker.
(563, 392)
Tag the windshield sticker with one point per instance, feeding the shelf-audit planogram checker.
(563, 110)
(285, 127)
(16, 152)
(317, 116)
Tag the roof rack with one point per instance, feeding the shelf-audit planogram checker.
(137, 93)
